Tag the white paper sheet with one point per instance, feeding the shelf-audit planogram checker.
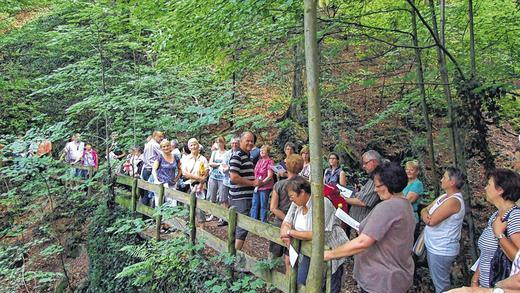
(345, 192)
(347, 219)
(474, 267)
(293, 255)
(277, 169)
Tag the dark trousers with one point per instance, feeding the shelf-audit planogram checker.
(303, 271)
(145, 195)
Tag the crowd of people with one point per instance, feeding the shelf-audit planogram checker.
(386, 207)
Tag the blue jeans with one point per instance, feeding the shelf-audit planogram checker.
(440, 270)
(260, 203)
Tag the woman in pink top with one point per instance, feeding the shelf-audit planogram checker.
(264, 173)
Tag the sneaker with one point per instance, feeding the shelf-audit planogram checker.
(210, 218)
(222, 223)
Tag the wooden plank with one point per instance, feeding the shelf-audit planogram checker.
(141, 208)
(148, 186)
(265, 230)
(213, 208)
(125, 180)
(275, 278)
(177, 195)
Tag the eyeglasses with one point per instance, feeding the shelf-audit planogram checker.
(379, 186)
(366, 162)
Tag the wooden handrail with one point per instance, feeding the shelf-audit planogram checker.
(264, 230)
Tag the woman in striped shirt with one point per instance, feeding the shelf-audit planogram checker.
(502, 190)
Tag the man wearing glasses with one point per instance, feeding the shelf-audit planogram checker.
(362, 202)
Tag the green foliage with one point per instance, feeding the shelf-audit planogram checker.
(176, 265)
(104, 250)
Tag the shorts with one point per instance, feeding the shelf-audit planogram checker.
(243, 207)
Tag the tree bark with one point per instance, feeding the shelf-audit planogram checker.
(295, 109)
(441, 58)
(473, 66)
(424, 105)
(456, 143)
(314, 281)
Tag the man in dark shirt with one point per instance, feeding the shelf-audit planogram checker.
(243, 182)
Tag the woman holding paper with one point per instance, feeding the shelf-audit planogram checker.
(333, 174)
(289, 149)
(386, 231)
(298, 224)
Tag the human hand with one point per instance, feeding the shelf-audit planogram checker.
(499, 226)
(327, 255)
(286, 240)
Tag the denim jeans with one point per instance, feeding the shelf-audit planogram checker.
(260, 204)
(440, 270)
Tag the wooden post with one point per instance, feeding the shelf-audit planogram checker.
(314, 284)
(232, 227)
(159, 218)
(329, 277)
(193, 217)
(293, 273)
(134, 195)
(89, 183)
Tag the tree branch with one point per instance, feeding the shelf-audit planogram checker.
(436, 39)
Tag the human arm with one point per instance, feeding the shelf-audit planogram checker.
(286, 226)
(412, 197)
(444, 211)
(238, 180)
(212, 163)
(511, 283)
(475, 278)
(268, 178)
(155, 167)
(273, 207)
(355, 246)
(355, 202)
(509, 244)
(342, 178)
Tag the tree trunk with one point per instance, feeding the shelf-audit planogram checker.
(441, 58)
(424, 105)
(473, 66)
(457, 146)
(315, 141)
(295, 109)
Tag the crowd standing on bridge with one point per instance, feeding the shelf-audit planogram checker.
(386, 208)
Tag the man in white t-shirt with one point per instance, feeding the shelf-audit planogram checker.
(73, 151)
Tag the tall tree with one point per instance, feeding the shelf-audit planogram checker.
(315, 141)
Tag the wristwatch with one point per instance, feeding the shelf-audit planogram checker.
(497, 290)
(500, 236)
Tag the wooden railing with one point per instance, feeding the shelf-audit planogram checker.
(234, 219)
